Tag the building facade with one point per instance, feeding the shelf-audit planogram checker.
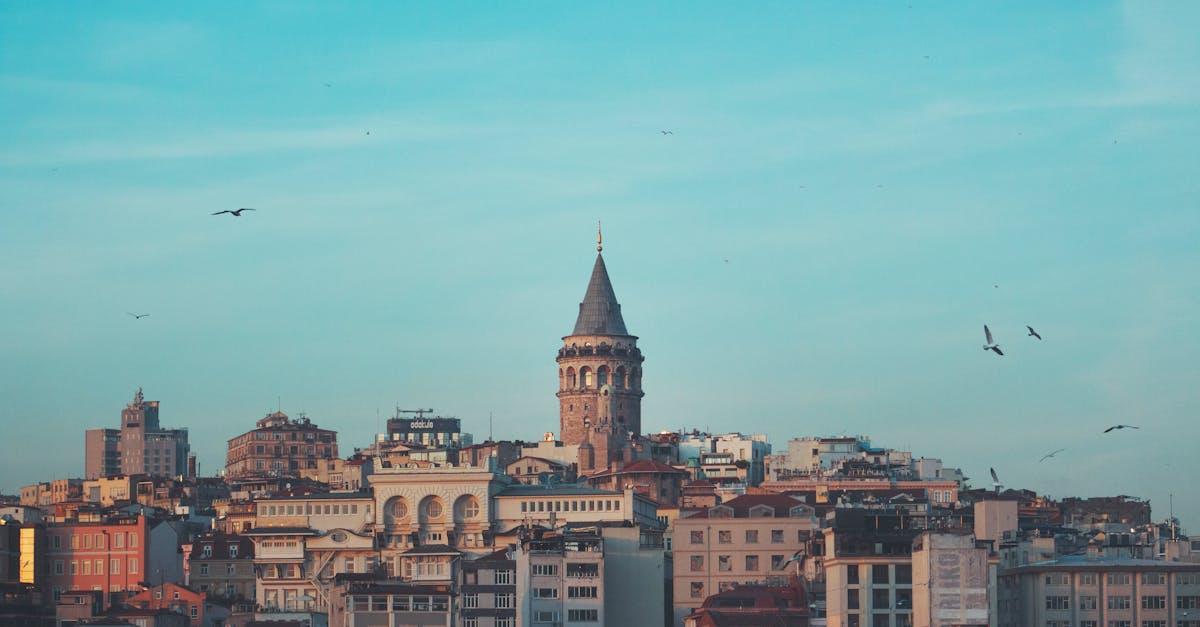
(140, 446)
(279, 446)
(560, 578)
(488, 589)
(221, 566)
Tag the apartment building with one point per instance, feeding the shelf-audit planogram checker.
(518, 505)
(439, 506)
(560, 578)
(488, 591)
(868, 570)
(280, 446)
(140, 446)
(750, 539)
(1093, 590)
(116, 555)
(222, 566)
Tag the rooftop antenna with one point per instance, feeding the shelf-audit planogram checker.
(490, 426)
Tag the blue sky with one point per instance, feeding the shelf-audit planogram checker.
(870, 175)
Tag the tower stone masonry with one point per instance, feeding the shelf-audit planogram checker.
(599, 373)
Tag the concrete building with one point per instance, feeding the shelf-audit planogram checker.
(778, 606)
(140, 446)
(531, 470)
(637, 575)
(600, 374)
(341, 474)
(560, 578)
(116, 555)
(380, 603)
(280, 447)
(433, 431)
(868, 571)
(550, 448)
(751, 450)
(553, 507)
(749, 539)
(655, 480)
(951, 579)
(222, 566)
(488, 589)
(181, 600)
(1094, 591)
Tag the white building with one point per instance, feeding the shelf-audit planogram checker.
(554, 507)
(752, 449)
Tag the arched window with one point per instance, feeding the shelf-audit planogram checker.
(585, 376)
(431, 509)
(395, 510)
(466, 508)
(635, 376)
(560, 378)
(619, 377)
(570, 378)
(602, 376)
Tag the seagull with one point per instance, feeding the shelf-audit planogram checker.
(138, 316)
(237, 213)
(991, 345)
(995, 479)
(726, 261)
(1050, 454)
(1033, 333)
(1115, 427)
(329, 84)
(368, 132)
(667, 132)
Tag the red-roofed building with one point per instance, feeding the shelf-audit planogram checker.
(754, 606)
(752, 538)
(655, 480)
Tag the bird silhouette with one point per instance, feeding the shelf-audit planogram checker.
(991, 344)
(138, 316)
(1033, 333)
(667, 132)
(237, 213)
(1116, 427)
(995, 479)
(1050, 454)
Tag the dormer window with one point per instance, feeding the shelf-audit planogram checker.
(233, 551)
(762, 511)
(206, 551)
(720, 511)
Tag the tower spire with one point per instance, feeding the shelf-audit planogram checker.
(599, 238)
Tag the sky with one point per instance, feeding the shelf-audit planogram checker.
(849, 194)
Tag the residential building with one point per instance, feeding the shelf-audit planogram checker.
(117, 554)
(140, 446)
(654, 480)
(560, 578)
(751, 450)
(378, 603)
(752, 538)
(637, 574)
(222, 566)
(442, 506)
(182, 600)
(868, 570)
(1090, 590)
(537, 470)
(434, 431)
(552, 449)
(341, 474)
(488, 589)
(754, 604)
(279, 446)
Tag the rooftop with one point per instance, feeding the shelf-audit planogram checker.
(566, 490)
(599, 313)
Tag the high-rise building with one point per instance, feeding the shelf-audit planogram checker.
(600, 373)
(140, 446)
(279, 447)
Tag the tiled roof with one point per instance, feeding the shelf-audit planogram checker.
(432, 549)
(642, 465)
(564, 490)
(599, 313)
(742, 505)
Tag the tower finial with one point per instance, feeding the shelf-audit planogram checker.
(599, 237)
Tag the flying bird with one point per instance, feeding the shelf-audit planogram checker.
(995, 478)
(237, 213)
(138, 316)
(991, 345)
(1050, 454)
(667, 132)
(1115, 427)
(1033, 333)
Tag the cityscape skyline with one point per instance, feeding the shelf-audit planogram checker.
(438, 260)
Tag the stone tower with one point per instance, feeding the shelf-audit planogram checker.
(600, 372)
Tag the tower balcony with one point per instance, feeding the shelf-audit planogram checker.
(602, 350)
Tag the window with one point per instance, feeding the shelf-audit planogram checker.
(504, 621)
(903, 599)
(543, 616)
(583, 570)
(879, 574)
(697, 590)
(1087, 602)
(133, 540)
(504, 601)
(470, 600)
(852, 599)
(881, 620)
(1119, 603)
(133, 564)
(1154, 603)
(545, 570)
(724, 537)
(777, 536)
(724, 563)
(231, 569)
(1187, 602)
(697, 563)
(751, 536)
(1087, 579)
(1058, 603)
(118, 540)
(881, 598)
(581, 592)
(87, 567)
(1120, 623)
(1154, 623)
(777, 562)
(1057, 579)
(545, 593)
(503, 578)
(852, 574)
(904, 573)
(697, 537)
(1118, 579)
(752, 563)
(583, 616)
(74, 567)
(1089, 623)
(194, 611)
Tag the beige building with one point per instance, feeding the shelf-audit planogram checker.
(553, 507)
(1094, 591)
(280, 447)
(140, 446)
(868, 572)
(532, 470)
(951, 577)
(560, 578)
(748, 539)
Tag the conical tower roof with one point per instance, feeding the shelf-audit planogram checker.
(599, 313)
